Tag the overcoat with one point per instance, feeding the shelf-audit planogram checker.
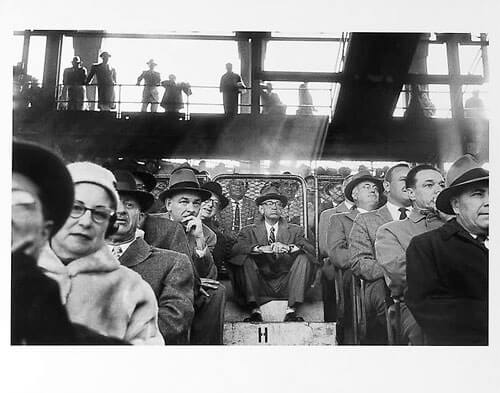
(447, 273)
(170, 274)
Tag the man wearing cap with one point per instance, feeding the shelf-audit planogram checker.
(40, 206)
(447, 268)
(74, 85)
(208, 214)
(363, 260)
(423, 183)
(240, 211)
(271, 259)
(106, 80)
(364, 192)
(333, 194)
(96, 290)
(150, 94)
(169, 273)
(183, 201)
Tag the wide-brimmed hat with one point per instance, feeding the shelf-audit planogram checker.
(215, 188)
(270, 191)
(125, 184)
(50, 174)
(151, 62)
(147, 178)
(105, 54)
(184, 179)
(76, 59)
(463, 171)
(358, 178)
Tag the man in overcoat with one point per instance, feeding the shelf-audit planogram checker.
(106, 80)
(272, 258)
(169, 273)
(447, 268)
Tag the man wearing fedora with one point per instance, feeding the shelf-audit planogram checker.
(363, 259)
(423, 183)
(150, 94)
(169, 273)
(271, 259)
(364, 193)
(209, 216)
(74, 85)
(183, 201)
(447, 268)
(106, 80)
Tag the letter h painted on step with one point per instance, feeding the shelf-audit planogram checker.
(263, 333)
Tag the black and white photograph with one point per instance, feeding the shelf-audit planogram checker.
(249, 197)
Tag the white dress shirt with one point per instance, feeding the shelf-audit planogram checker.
(268, 229)
(394, 210)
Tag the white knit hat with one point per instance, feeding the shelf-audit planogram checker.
(88, 172)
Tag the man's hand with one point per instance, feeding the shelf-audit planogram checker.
(207, 283)
(265, 249)
(194, 226)
(280, 248)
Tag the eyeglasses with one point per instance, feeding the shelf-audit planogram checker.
(99, 214)
(273, 203)
(214, 202)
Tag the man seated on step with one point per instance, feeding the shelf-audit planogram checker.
(271, 259)
(169, 273)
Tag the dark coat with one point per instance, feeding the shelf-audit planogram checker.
(170, 274)
(337, 239)
(447, 274)
(256, 235)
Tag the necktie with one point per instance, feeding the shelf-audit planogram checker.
(403, 215)
(117, 251)
(237, 217)
(272, 237)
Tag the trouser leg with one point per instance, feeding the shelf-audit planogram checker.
(208, 322)
(410, 329)
(298, 279)
(375, 294)
(154, 107)
(247, 282)
(144, 107)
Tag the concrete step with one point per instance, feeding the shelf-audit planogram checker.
(279, 333)
(274, 311)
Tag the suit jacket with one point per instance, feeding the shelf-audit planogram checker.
(338, 238)
(447, 272)
(324, 222)
(362, 243)
(256, 235)
(248, 213)
(391, 242)
(170, 274)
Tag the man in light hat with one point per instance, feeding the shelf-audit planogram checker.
(183, 201)
(423, 183)
(150, 94)
(169, 273)
(74, 85)
(363, 259)
(96, 290)
(364, 192)
(271, 259)
(447, 268)
(106, 80)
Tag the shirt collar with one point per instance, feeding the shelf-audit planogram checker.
(361, 210)
(348, 204)
(268, 227)
(123, 246)
(394, 210)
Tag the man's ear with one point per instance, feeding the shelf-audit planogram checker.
(387, 186)
(261, 209)
(168, 204)
(411, 194)
(455, 205)
(142, 217)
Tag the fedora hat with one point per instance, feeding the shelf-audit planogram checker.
(50, 174)
(104, 54)
(125, 184)
(358, 178)
(270, 191)
(151, 62)
(216, 189)
(184, 179)
(147, 178)
(76, 59)
(463, 171)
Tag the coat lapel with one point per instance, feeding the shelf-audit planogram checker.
(136, 253)
(384, 213)
(261, 233)
(283, 232)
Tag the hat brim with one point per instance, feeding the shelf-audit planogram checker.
(204, 194)
(145, 199)
(283, 199)
(353, 183)
(443, 200)
(50, 174)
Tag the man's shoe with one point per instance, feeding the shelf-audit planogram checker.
(254, 317)
(293, 317)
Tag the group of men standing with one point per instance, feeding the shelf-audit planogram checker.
(426, 248)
